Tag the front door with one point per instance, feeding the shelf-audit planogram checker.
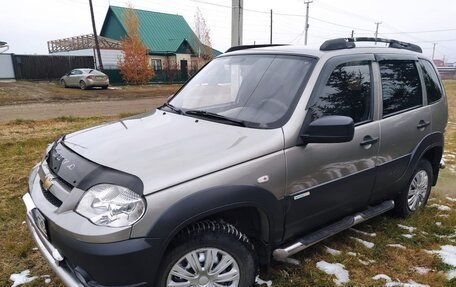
(328, 181)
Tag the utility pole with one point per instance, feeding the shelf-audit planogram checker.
(270, 37)
(307, 2)
(376, 31)
(236, 22)
(353, 33)
(433, 51)
(97, 45)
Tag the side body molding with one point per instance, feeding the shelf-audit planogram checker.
(218, 199)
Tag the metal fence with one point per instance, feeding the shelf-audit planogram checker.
(160, 76)
(43, 67)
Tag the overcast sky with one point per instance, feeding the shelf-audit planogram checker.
(28, 24)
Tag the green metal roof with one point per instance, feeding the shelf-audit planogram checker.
(162, 33)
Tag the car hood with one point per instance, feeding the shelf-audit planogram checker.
(165, 149)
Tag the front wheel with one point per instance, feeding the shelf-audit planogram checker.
(417, 192)
(209, 253)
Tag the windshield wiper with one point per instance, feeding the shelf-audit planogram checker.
(171, 107)
(206, 114)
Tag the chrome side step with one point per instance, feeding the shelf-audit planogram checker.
(310, 239)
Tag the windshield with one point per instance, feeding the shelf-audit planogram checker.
(259, 90)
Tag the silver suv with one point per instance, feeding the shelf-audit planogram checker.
(265, 152)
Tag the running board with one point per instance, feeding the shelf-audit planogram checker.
(310, 239)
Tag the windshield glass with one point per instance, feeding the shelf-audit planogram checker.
(257, 89)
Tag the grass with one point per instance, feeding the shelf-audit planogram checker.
(22, 143)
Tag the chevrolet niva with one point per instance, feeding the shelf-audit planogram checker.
(263, 153)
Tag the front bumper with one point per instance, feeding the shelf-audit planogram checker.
(131, 263)
(52, 255)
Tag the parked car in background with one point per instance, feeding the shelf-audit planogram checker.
(84, 79)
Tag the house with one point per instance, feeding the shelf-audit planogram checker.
(169, 38)
(171, 42)
(439, 63)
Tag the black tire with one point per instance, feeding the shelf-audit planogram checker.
(402, 208)
(63, 83)
(212, 234)
(82, 85)
(104, 87)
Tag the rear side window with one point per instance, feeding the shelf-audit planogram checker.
(347, 92)
(433, 89)
(401, 87)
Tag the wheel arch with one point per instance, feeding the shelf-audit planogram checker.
(431, 149)
(253, 210)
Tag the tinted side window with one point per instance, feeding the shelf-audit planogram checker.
(347, 92)
(433, 89)
(401, 86)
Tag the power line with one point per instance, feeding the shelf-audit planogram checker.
(424, 31)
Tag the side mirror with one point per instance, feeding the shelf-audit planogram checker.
(329, 129)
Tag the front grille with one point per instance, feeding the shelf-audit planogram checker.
(50, 197)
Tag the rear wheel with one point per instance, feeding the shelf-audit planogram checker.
(82, 85)
(63, 83)
(416, 194)
(104, 87)
(209, 253)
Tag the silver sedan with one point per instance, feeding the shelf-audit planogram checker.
(84, 79)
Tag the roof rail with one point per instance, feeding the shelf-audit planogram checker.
(348, 43)
(244, 47)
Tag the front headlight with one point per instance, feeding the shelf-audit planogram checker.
(111, 205)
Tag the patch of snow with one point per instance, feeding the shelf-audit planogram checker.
(336, 269)
(352, 254)
(259, 281)
(397, 246)
(23, 222)
(22, 278)
(447, 253)
(382, 276)
(410, 283)
(421, 270)
(438, 223)
(440, 207)
(363, 233)
(47, 281)
(451, 199)
(367, 244)
(366, 262)
(408, 228)
(35, 248)
(333, 252)
(443, 215)
(451, 274)
(424, 233)
(408, 235)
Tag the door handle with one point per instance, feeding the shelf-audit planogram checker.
(368, 140)
(422, 124)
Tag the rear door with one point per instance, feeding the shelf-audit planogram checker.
(406, 120)
(328, 181)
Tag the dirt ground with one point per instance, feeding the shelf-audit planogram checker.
(46, 100)
(27, 92)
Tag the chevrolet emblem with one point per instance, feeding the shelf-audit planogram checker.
(47, 183)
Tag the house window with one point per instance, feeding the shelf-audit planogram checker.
(156, 64)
